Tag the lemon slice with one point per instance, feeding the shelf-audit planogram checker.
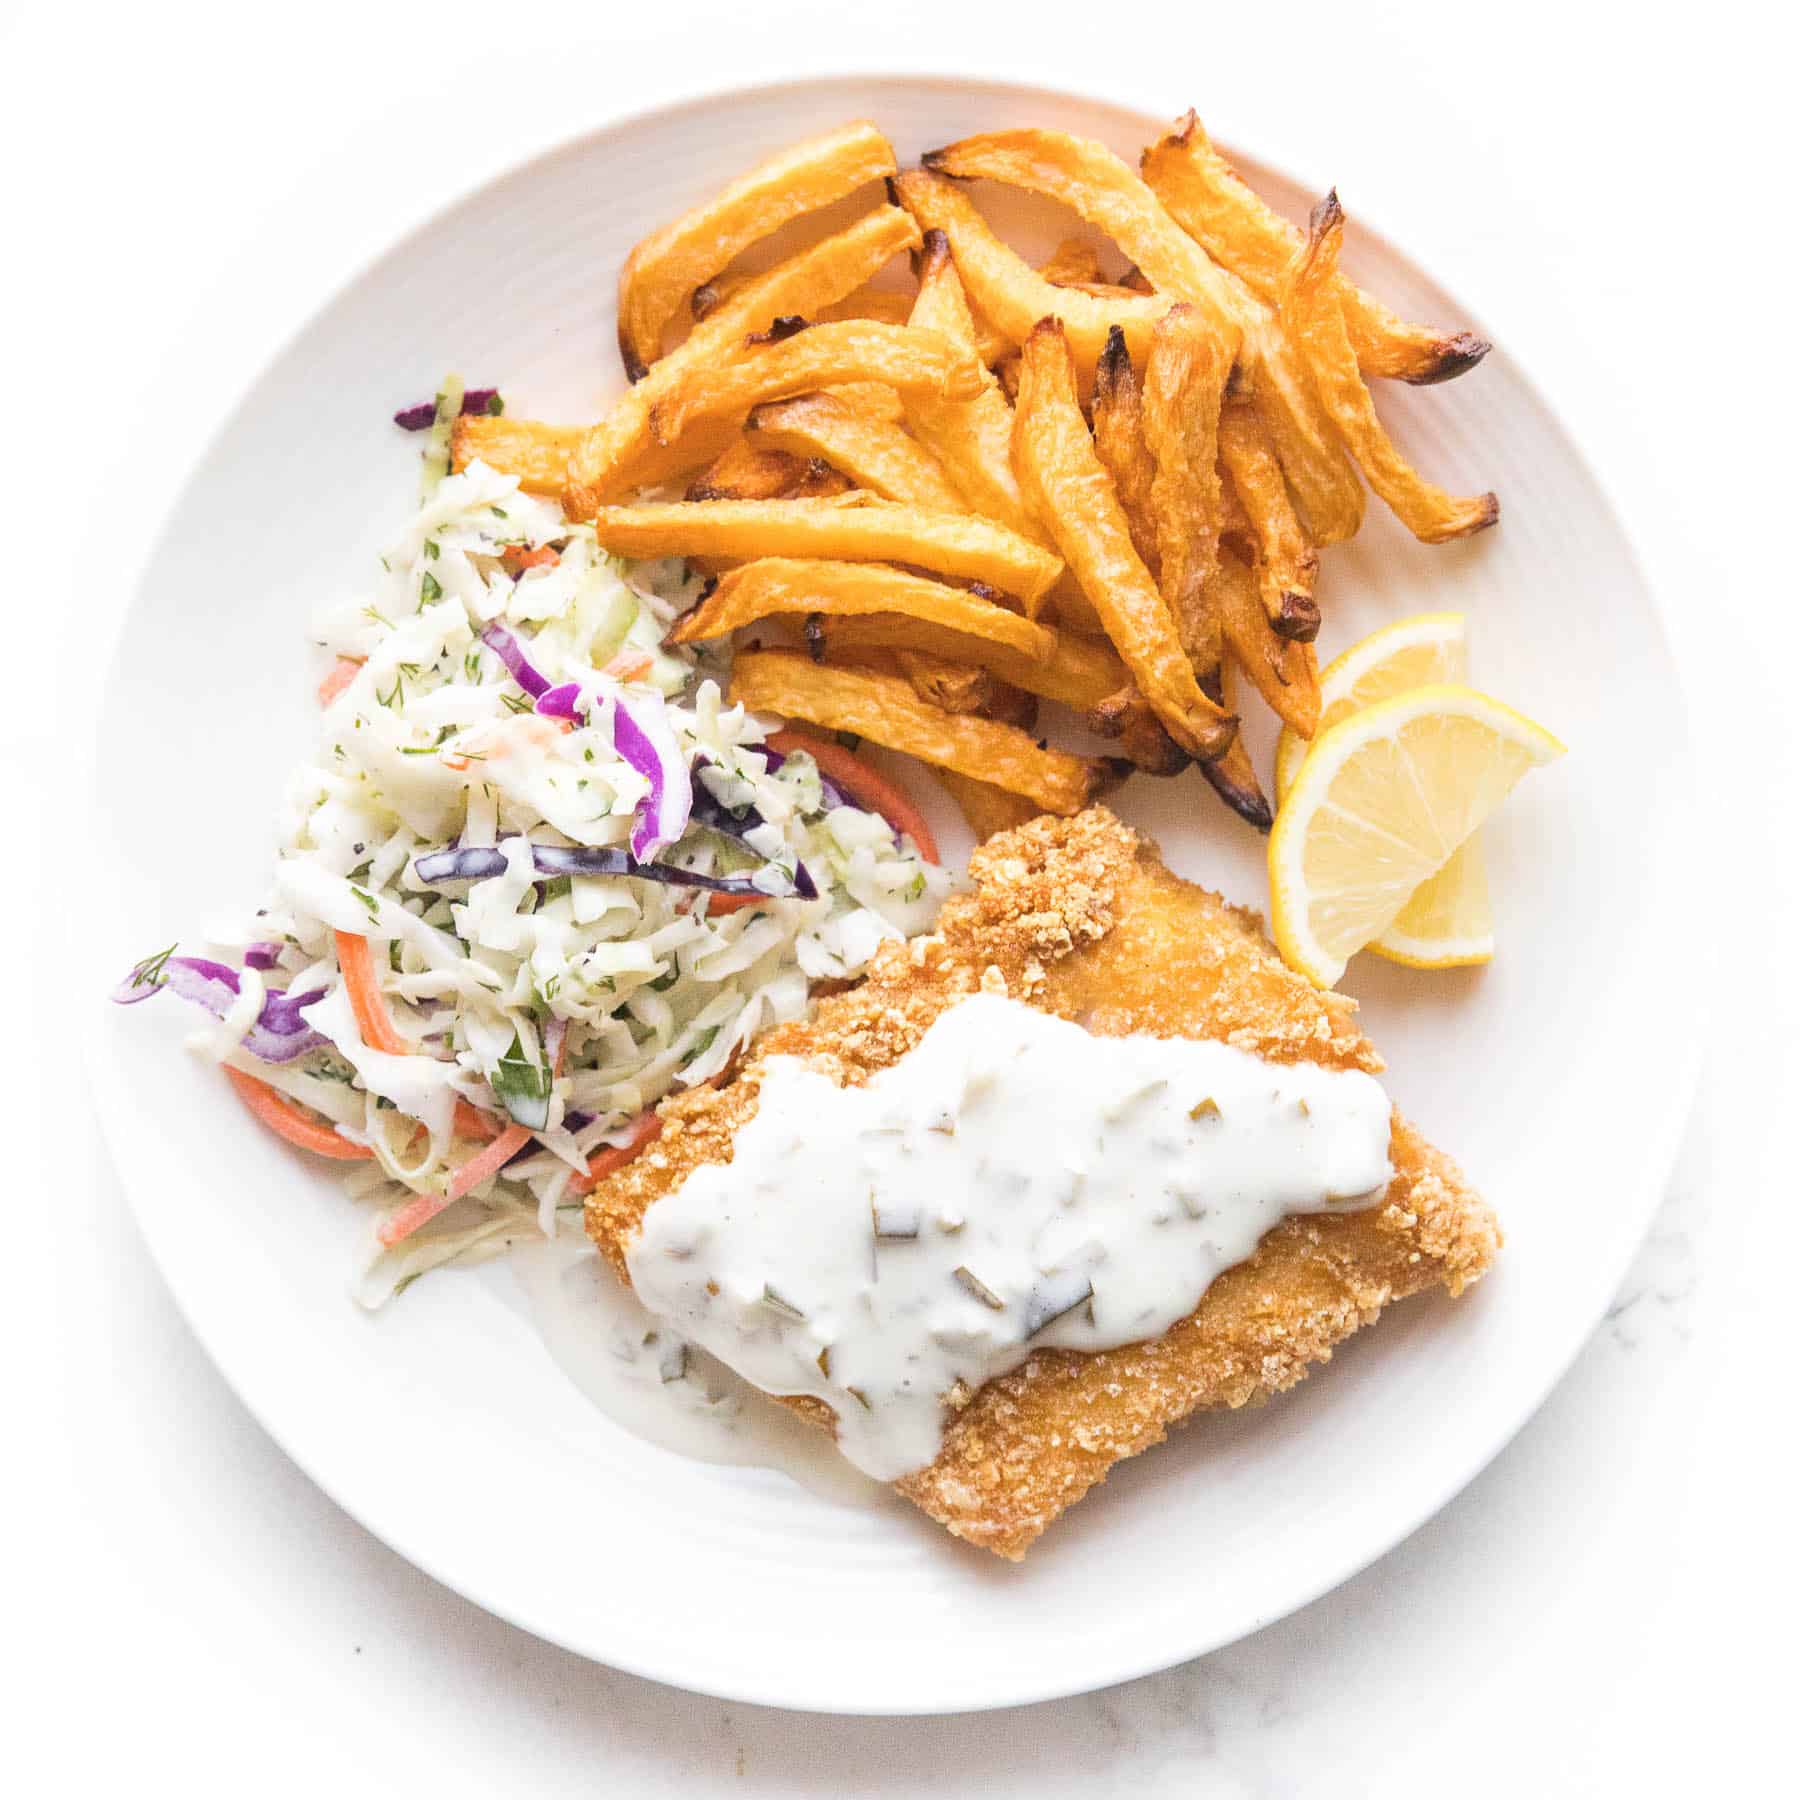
(1381, 803)
(1415, 652)
(1448, 923)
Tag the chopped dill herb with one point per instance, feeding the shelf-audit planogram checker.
(152, 971)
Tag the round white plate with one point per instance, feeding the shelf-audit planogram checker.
(1560, 1075)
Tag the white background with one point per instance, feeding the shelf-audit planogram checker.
(1608, 1607)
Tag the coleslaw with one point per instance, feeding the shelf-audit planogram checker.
(535, 876)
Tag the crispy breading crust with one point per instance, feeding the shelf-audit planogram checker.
(1079, 917)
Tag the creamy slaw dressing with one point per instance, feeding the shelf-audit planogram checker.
(1013, 1183)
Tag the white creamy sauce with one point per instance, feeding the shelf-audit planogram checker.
(647, 1379)
(1014, 1183)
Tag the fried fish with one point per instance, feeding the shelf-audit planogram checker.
(1079, 917)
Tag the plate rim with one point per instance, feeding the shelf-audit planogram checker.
(1656, 1152)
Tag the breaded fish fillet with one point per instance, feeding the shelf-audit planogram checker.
(1080, 918)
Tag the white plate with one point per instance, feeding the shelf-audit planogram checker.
(1559, 1076)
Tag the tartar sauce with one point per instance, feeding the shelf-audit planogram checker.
(1013, 1183)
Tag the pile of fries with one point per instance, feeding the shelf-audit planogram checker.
(1009, 484)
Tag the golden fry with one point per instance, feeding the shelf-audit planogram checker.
(669, 265)
(1312, 312)
(619, 453)
(1285, 673)
(537, 454)
(971, 439)
(852, 528)
(781, 586)
(1089, 179)
(1058, 468)
(1074, 671)
(1119, 442)
(813, 357)
(1008, 290)
(748, 472)
(1128, 718)
(1233, 775)
(1184, 387)
(1086, 177)
(1074, 263)
(1288, 566)
(988, 809)
(884, 709)
(874, 454)
(956, 687)
(1205, 195)
(886, 306)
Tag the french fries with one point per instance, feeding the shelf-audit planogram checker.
(852, 528)
(972, 439)
(1076, 672)
(670, 264)
(1205, 195)
(1086, 177)
(887, 306)
(1233, 776)
(1284, 673)
(1288, 566)
(988, 809)
(1119, 443)
(776, 586)
(620, 453)
(1128, 717)
(874, 453)
(911, 478)
(1074, 263)
(884, 709)
(1312, 311)
(537, 454)
(956, 687)
(1008, 290)
(792, 362)
(1058, 468)
(748, 472)
(1184, 387)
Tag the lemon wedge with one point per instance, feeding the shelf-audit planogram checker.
(1381, 803)
(1448, 923)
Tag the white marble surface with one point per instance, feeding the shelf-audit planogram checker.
(1605, 1610)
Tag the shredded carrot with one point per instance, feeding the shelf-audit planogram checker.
(718, 905)
(872, 792)
(468, 1177)
(343, 672)
(289, 1121)
(630, 665)
(472, 1122)
(518, 559)
(357, 961)
(615, 1156)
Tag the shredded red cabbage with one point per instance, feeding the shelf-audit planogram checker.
(264, 955)
(648, 745)
(472, 864)
(511, 652)
(279, 1034)
(475, 400)
(562, 702)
